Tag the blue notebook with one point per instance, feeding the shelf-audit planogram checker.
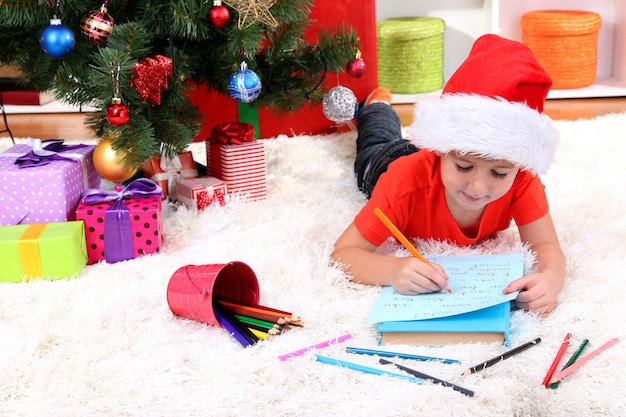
(487, 325)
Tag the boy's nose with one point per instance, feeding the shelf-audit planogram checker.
(477, 186)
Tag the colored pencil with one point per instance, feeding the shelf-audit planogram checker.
(557, 359)
(261, 324)
(580, 362)
(243, 335)
(424, 376)
(269, 332)
(320, 345)
(502, 357)
(571, 360)
(398, 234)
(401, 238)
(263, 313)
(259, 306)
(387, 354)
(261, 335)
(366, 369)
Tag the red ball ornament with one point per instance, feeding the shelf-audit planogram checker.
(356, 67)
(118, 114)
(97, 26)
(219, 15)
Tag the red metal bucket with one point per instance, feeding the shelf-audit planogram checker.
(192, 288)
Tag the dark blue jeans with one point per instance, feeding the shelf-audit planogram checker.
(379, 142)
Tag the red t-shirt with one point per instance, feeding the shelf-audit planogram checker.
(412, 195)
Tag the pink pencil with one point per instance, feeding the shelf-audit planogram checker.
(557, 359)
(320, 345)
(580, 362)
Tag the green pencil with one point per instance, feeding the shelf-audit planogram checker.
(263, 323)
(571, 361)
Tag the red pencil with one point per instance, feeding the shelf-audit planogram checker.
(557, 359)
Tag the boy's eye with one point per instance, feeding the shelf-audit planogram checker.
(463, 168)
(498, 174)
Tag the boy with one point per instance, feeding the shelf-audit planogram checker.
(470, 167)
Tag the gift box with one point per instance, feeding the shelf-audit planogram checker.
(202, 192)
(49, 250)
(235, 157)
(166, 172)
(43, 181)
(308, 120)
(122, 224)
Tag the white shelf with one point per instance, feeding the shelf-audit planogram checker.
(466, 20)
(52, 107)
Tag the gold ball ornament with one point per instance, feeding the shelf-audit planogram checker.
(109, 164)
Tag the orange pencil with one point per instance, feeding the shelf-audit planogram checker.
(401, 238)
(263, 313)
(398, 234)
(557, 359)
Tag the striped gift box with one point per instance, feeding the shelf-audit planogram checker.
(241, 166)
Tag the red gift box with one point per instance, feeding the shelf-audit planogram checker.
(201, 192)
(124, 224)
(361, 15)
(235, 157)
(167, 171)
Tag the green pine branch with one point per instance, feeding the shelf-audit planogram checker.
(292, 71)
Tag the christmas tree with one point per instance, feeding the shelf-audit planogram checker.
(138, 61)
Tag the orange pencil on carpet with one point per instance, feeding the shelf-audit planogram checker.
(401, 238)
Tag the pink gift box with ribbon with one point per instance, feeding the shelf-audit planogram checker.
(201, 192)
(43, 181)
(235, 157)
(122, 224)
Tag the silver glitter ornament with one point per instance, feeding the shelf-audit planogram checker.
(339, 104)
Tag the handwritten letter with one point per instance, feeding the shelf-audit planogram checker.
(476, 282)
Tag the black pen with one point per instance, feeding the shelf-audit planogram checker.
(424, 376)
(502, 357)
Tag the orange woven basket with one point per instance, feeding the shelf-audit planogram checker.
(565, 42)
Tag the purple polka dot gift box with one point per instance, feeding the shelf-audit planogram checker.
(43, 181)
(122, 224)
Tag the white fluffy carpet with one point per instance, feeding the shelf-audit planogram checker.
(107, 344)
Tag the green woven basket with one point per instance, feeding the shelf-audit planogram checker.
(410, 54)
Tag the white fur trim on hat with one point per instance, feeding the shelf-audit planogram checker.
(491, 128)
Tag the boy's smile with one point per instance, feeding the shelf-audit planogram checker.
(471, 182)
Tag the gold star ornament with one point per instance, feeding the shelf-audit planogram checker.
(253, 11)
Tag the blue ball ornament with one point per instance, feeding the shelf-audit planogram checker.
(57, 40)
(244, 85)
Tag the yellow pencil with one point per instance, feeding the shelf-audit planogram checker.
(261, 335)
(398, 235)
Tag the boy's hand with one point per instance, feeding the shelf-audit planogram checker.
(413, 276)
(538, 292)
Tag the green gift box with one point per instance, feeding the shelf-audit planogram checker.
(42, 250)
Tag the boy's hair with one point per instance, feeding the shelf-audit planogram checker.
(492, 108)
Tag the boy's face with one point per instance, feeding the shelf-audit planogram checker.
(472, 182)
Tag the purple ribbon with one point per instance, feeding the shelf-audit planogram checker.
(46, 151)
(118, 235)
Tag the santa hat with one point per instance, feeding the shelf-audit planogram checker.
(491, 107)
